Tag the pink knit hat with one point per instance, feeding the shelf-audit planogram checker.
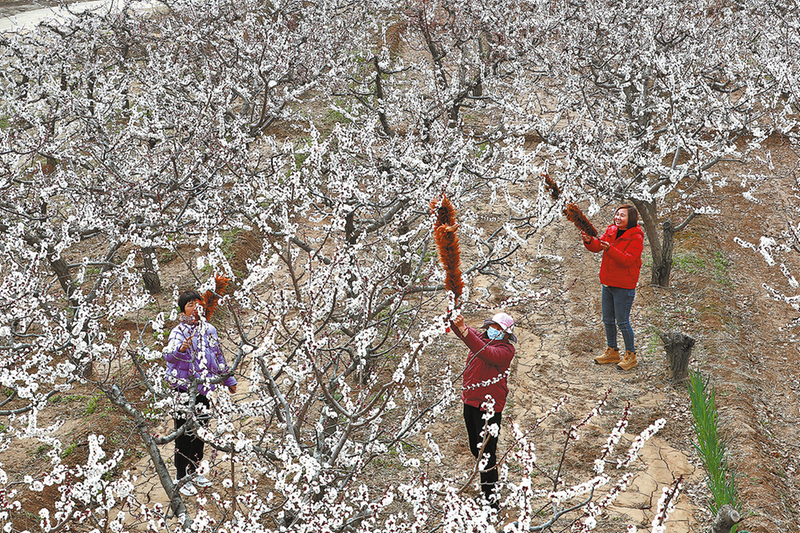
(505, 322)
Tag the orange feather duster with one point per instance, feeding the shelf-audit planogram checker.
(444, 232)
(211, 298)
(551, 186)
(576, 216)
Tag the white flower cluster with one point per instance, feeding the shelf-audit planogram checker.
(639, 442)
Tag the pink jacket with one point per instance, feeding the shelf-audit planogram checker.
(487, 369)
(623, 260)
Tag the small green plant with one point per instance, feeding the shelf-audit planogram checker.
(66, 398)
(340, 112)
(91, 406)
(720, 479)
(41, 450)
(66, 452)
(228, 240)
(334, 116)
(721, 266)
(689, 263)
(653, 344)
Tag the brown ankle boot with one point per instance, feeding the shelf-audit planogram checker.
(611, 355)
(628, 361)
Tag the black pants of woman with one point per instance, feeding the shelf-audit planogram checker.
(473, 417)
(189, 447)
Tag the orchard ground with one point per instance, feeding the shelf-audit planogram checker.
(746, 346)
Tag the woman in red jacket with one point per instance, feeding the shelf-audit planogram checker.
(622, 245)
(485, 389)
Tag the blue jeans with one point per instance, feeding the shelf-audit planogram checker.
(616, 314)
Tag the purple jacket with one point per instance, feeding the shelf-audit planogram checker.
(202, 360)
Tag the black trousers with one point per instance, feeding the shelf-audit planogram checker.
(473, 417)
(189, 447)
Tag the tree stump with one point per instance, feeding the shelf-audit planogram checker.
(726, 518)
(679, 349)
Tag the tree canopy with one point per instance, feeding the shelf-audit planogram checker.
(324, 130)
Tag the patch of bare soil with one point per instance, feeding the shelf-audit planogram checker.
(744, 348)
(82, 411)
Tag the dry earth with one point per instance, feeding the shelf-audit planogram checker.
(744, 347)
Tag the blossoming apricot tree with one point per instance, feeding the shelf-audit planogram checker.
(324, 129)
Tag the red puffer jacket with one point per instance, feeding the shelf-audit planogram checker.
(623, 260)
(487, 369)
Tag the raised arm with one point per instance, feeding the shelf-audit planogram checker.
(177, 348)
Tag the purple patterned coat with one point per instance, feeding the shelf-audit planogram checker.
(203, 359)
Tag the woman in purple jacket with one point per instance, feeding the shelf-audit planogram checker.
(193, 356)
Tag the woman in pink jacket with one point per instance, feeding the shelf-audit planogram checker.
(485, 389)
(622, 245)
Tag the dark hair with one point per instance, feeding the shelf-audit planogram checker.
(187, 297)
(633, 214)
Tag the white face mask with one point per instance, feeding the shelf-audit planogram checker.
(494, 334)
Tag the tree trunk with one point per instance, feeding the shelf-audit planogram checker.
(159, 465)
(379, 97)
(150, 275)
(61, 270)
(662, 253)
(726, 518)
(663, 270)
(679, 350)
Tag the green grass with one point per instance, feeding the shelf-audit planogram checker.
(720, 478)
(721, 266)
(66, 452)
(717, 266)
(689, 263)
(66, 398)
(41, 450)
(91, 406)
(653, 344)
(334, 116)
(339, 112)
(228, 240)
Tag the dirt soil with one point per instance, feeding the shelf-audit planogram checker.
(746, 346)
